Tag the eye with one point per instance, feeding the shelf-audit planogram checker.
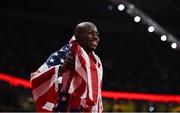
(90, 33)
(97, 33)
(93, 33)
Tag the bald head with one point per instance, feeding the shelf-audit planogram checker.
(87, 36)
(84, 25)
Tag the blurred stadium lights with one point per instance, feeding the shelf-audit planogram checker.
(151, 108)
(15, 81)
(151, 29)
(137, 19)
(133, 11)
(174, 45)
(163, 37)
(121, 7)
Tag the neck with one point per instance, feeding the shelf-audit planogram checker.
(88, 51)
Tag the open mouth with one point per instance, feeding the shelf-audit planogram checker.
(94, 43)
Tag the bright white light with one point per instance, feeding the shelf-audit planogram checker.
(174, 45)
(121, 7)
(151, 29)
(137, 19)
(163, 37)
(151, 108)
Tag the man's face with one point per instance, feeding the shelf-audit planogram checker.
(89, 38)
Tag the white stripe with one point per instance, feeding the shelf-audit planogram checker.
(89, 80)
(48, 106)
(43, 88)
(82, 73)
(99, 105)
(72, 39)
(80, 69)
(66, 76)
(100, 69)
(84, 95)
(95, 108)
(75, 83)
(41, 70)
(57, 80)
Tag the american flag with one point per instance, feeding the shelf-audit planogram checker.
(88, 75)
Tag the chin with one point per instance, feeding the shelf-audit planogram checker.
(92, 49)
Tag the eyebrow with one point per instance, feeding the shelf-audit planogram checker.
(94, 30)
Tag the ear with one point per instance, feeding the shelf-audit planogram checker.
(77, 36)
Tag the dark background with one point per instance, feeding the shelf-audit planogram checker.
(134, 60)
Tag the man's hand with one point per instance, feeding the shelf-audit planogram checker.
(69, 63)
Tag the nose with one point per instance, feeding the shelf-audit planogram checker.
(96, 37)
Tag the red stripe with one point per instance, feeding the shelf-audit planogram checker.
(76, 50)
(80, 90)
(94, 77)
(50, 96)
(67, 85)
(43, 78)
(81, 59)
(98, 106)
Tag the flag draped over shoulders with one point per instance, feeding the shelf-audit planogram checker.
(84, 81)
(45, 87)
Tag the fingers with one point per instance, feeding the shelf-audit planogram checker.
(69, 63)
